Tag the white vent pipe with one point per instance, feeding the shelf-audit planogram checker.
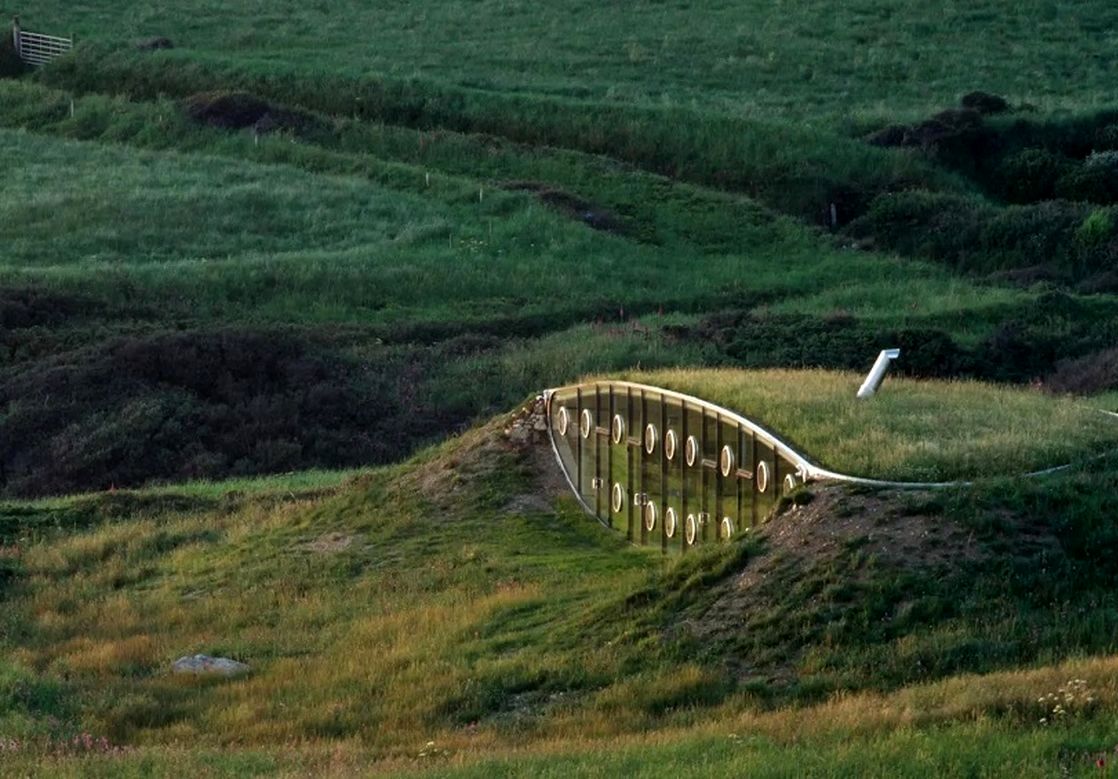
(877, 372)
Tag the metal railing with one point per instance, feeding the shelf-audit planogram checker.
(35, 48)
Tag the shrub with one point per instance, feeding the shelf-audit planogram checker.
(1095, 372)
(1063, 239)
(1106, 139)
(202, 405)
(985, 103)
(918, 223)
(1096, 229)
(1030, 175)
(1095, 181)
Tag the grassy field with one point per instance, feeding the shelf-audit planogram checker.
(804, 59)
(245, 280)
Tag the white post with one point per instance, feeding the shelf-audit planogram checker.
(877, 372)
(16, 36)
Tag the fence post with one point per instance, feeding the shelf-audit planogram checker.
(15, 36)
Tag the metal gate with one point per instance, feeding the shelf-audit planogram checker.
(36, 48)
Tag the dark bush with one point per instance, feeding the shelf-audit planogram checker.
(211, 404)
(229, 110)
(985, 103)
(1030, 175)
(1091, 373)
(922, 224)
(1046, 239)
(1095, 181)
(30, 307)
(1106, 138)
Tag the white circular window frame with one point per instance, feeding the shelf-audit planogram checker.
(586, 424)
(617, 498)
(691, 450)
(651, 438)
(727, 527)
(670, 520)
(726, 461)
(671, 443)
(650, 516)
(617, 429)
(563, 420)
(762, 476)
(691, 530)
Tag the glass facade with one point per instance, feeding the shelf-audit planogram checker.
(666, 469)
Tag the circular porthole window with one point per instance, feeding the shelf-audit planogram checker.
(617, 429)
(649, 517)
(690, 529)
(617, 498)
(789, 483)
(762, 476)
(651, 438)
(691, 450)
(726, 461)
(586, 424)
(727, 527)
(671, 443)
(669, 522)
(563, 420)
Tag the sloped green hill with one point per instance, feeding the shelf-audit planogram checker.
(461, 598)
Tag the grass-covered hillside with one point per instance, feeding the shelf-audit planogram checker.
(458, 613)
(262, 263)
(345, 298)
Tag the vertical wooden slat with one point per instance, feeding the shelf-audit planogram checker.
(630, 475)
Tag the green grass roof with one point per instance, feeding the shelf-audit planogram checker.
(912, 429)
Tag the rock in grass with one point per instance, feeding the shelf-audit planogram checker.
(204, 664)
(155, 44)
